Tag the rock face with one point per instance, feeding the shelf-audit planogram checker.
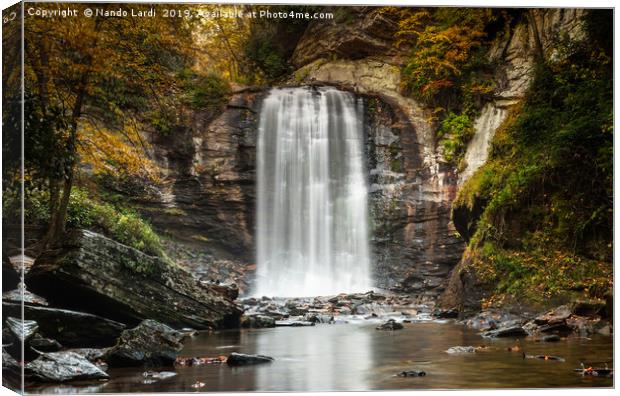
(356, 34)
(95, 274)
(208, 203)
(515, 55)
(209, 200)
(212, 192)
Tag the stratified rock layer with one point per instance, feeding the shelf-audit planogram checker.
(101, 276)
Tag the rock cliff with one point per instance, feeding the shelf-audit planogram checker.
(209, 201)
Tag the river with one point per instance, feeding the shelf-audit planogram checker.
(356, 357)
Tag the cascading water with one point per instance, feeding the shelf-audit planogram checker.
(312, 221)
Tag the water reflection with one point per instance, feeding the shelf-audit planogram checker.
(356, 357)
(323, 358)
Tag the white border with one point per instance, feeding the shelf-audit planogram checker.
(503, 3)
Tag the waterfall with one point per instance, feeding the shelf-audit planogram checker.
(312, 221)
(486, 124)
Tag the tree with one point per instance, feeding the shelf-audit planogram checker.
(100, 71)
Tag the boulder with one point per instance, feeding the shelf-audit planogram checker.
(512, 331)
(70, 328)
(461, 349)
(43, 344)
(257, 321)
(316, 317)
(390, 325)
(91, 354)
(96, 274)
(22, 329)
(555, 316)
(412, 373)
(150, 342)
(63, 366)
(241, 359)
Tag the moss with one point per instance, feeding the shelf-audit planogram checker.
(396, 165)
(122, 224)
(546, 228)
(455, 132)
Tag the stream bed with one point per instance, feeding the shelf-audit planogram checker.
(356, 357)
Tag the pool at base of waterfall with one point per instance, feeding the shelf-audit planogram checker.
(355, 356)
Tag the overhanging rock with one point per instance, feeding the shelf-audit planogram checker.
(95, 274)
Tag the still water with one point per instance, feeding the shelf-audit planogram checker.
(356, 357)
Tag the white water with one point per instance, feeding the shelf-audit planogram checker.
(486, 124)
(312, 222)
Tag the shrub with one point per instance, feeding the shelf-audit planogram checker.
(455, 132)
(122, 224)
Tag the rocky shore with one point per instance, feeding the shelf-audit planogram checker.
(94, 303)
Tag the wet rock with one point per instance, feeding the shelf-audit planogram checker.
(91, 354)
(345, 310)
(298, 311)
(595, 371)
(461, 349)
(257, 321)
(293, 323)
(412, 373)
(63, 366)
(40, 343)
(9, 364)
(241, 359)
(390, 325)
(513, 331)
(229, 290)
(22, 329)
(530, 327)
(603, 328)
(318, 318)
(150, 342)
(27, 297)
(70, 328)
(551, 338)
(555, 316)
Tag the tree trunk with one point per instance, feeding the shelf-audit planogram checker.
(58, 217)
